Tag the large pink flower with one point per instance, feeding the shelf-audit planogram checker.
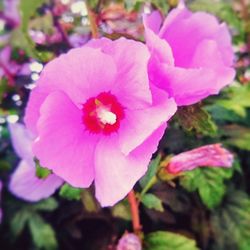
(97, 117)
(192, 54)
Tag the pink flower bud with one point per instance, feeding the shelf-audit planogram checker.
(129, 242)
(213, 155)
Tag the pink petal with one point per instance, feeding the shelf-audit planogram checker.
(208, 55)
(25, 185)
(213, 155)
(132, 85)
(224, 41)
(129, 241)
(21, 140)
(80, 80)
(140, 124)
(63, 144)
(174, 16)
(5, 55)
(186, 31)
(187, 86)
(153, 21)
(32, 113)
(11, 9)
(159, 48)
(115, 173)
(25, 69)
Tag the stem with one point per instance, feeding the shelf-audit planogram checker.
(246, 18)
(151, 183)
(134, 208)
(92, 21)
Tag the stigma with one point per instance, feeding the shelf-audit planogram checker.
(103, 114)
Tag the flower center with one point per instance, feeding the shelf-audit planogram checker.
(102, 114)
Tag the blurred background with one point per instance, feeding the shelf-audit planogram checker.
(208, 205)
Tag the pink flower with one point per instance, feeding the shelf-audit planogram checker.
(23, 182)
(9, 67)
(6, 65)
(11, 10)
(97, 118)
(213, 155)
(192, 54)
(129, 242)
(77, 40)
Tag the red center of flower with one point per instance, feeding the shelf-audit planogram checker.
(102, 114)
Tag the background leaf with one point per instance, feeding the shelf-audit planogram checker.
(230, 223)
(152, 202)
(209, 182)
(42, 172)
(70, 193)
(152, 169)
(168, 241)
(47, 205)
(122, 210)
(196, 118)
(19, 221)
(239, 136)
(42, 233)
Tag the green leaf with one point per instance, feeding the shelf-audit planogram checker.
(168, 241)
(92, 3)
(48, 205)
(20, 36)
(43, 23)
(236, 99)
(70, 193)
(209, 182)
(196, 118)
(88, 201)
(153, 202)
(131, 5)
(28, 9)
(20, 39)
(3, 88)
(152, 169)
(161, 5)
(1, 5)
(5, 165)
(19, 221)
(239, 136)
(230, 223)
(221, 114)
(42, 233)
(122, 210)
(212, 194)
(41, 172)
